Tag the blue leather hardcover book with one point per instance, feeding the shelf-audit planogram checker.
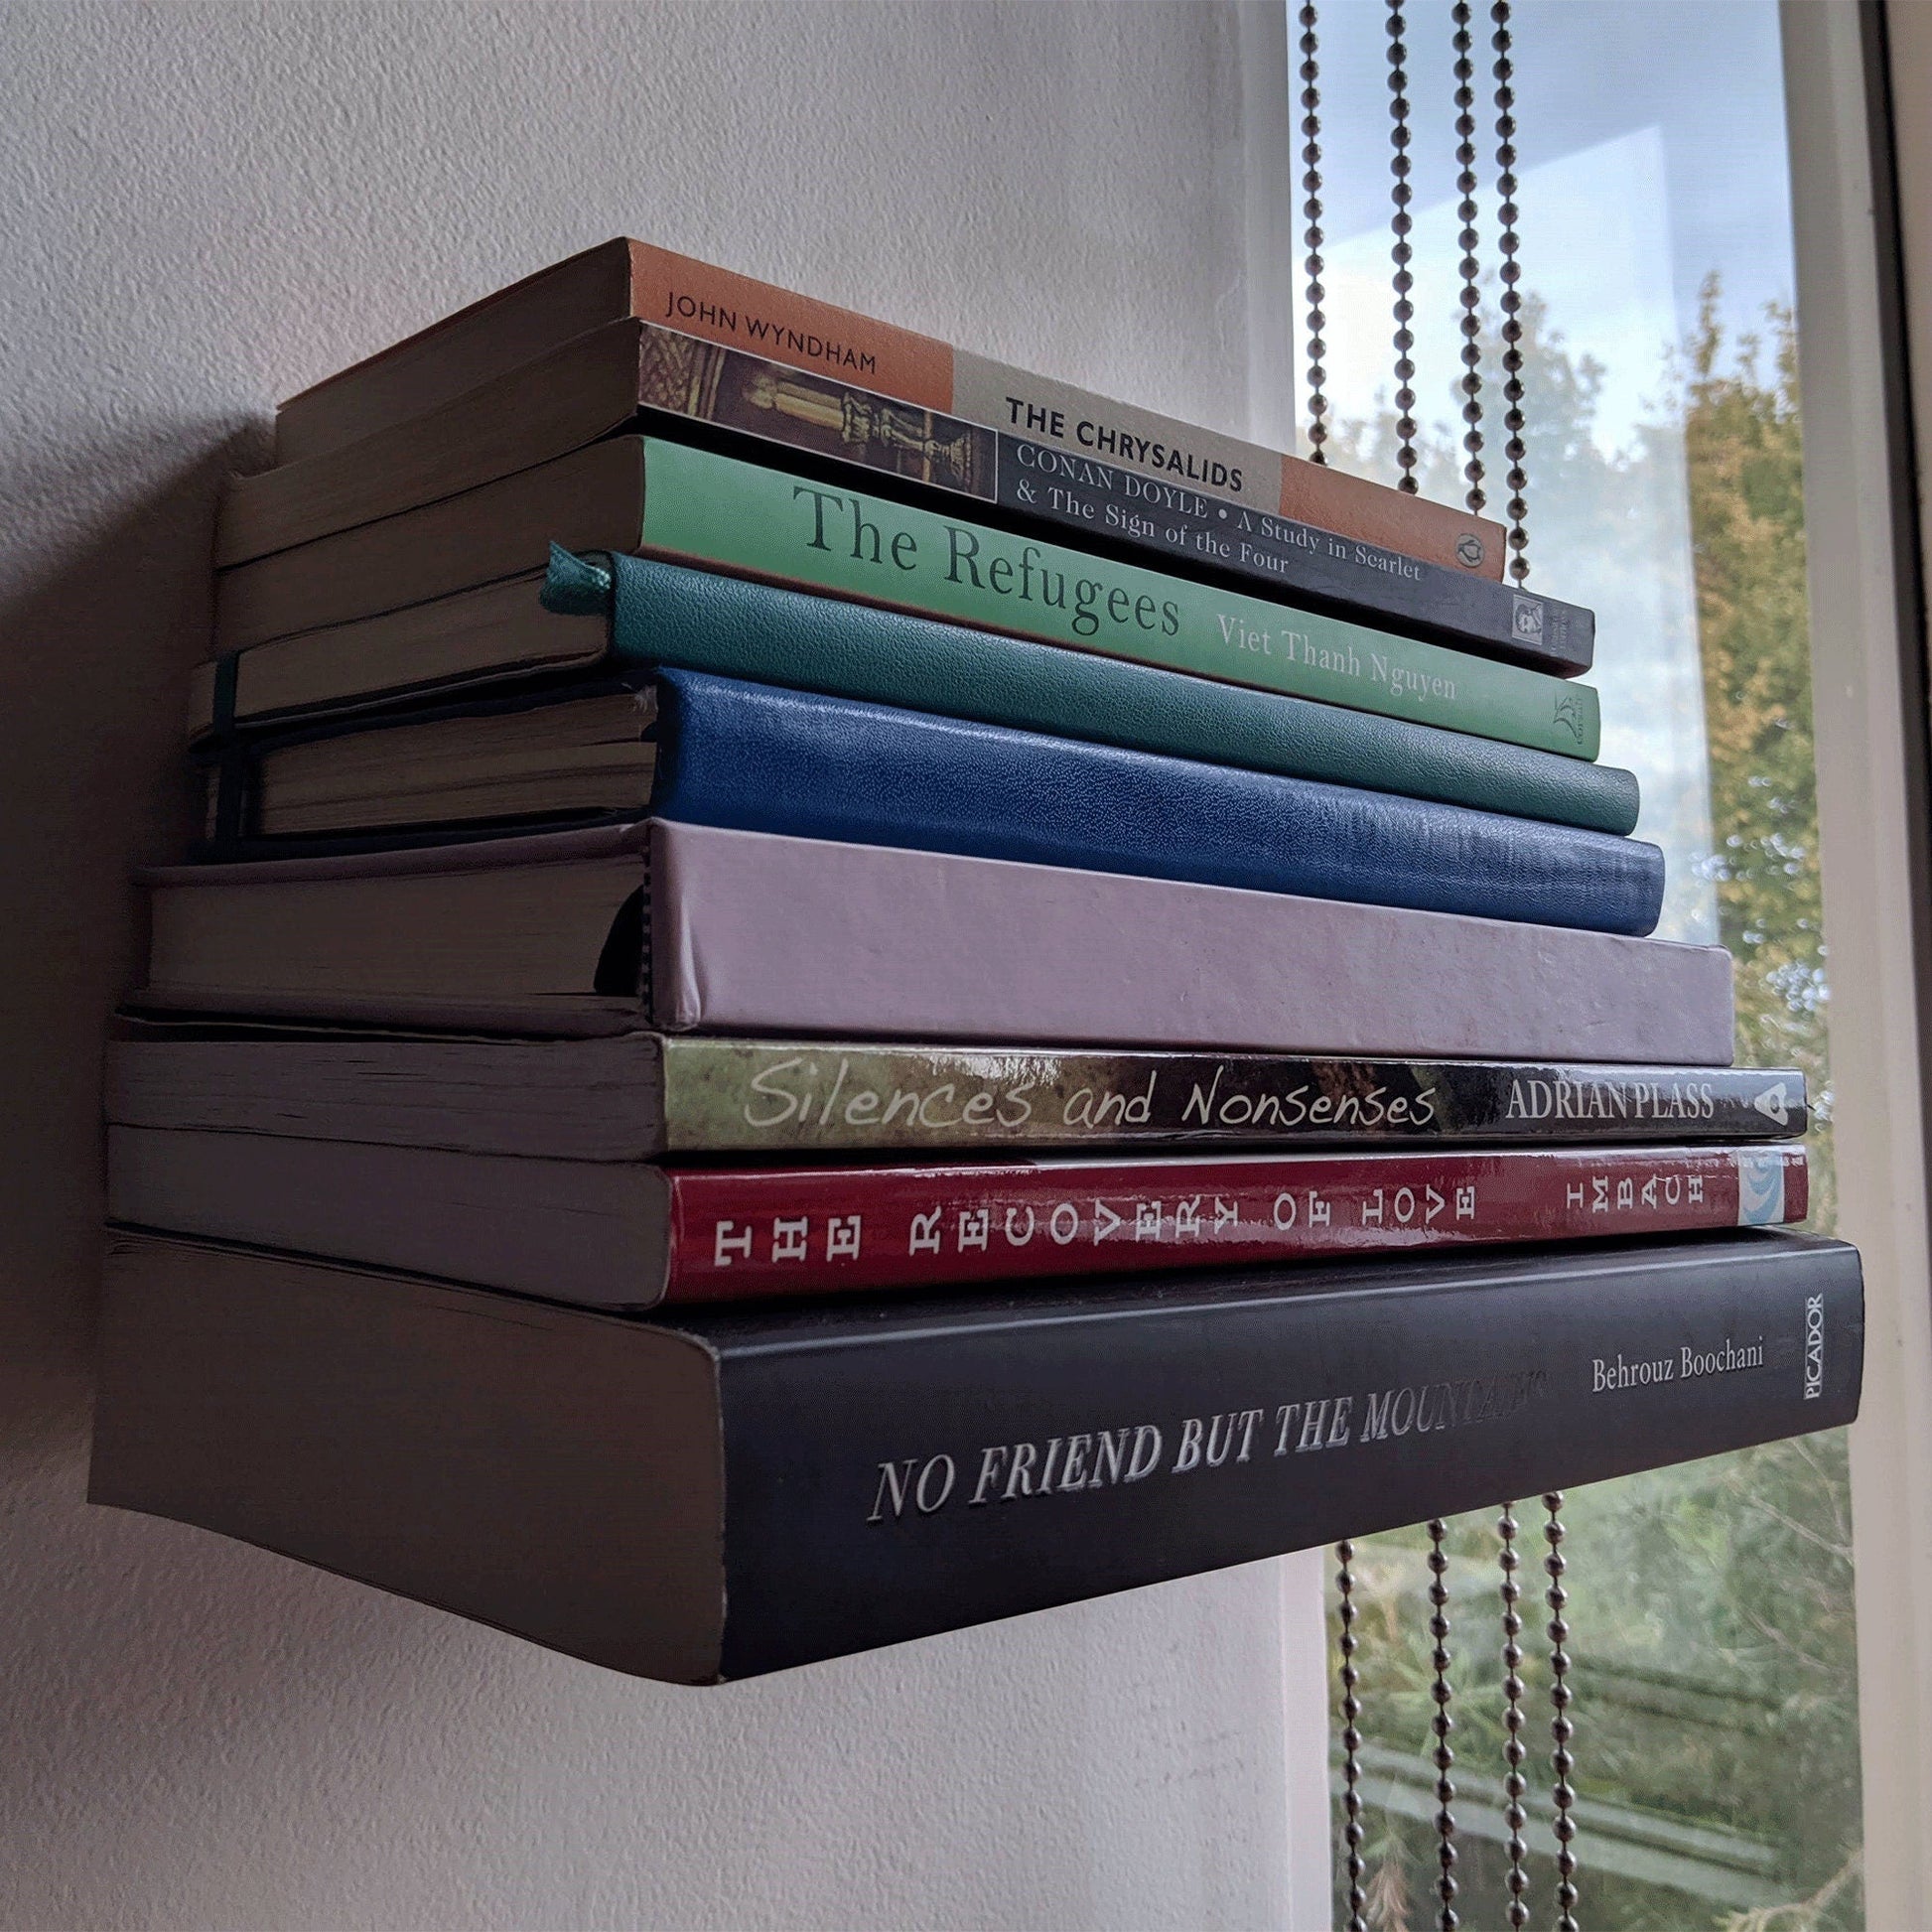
(757, 757)
(762, 757)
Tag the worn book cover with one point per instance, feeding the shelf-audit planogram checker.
(764, 757)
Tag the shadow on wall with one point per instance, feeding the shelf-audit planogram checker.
(93, 662)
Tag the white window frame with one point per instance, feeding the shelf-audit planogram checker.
(1868, 698)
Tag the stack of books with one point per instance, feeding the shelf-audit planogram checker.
(833, 991)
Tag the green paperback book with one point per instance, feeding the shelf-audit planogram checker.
(734, 515)
(649, 496)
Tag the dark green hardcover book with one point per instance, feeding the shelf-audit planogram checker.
(638, 613)
(704, 621)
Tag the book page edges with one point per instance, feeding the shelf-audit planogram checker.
(572, 1016)
(583, 389)
(595, 1099)
(481, 855)
(391, 384)
(488, 636)
(330, 1413)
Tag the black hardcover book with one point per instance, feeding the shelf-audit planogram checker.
(744, 1490)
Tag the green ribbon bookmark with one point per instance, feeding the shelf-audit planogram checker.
(574, 587)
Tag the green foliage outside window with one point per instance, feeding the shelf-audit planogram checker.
(1711, 1604)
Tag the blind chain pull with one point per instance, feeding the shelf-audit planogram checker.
(1311, 209)
(1515, 1785)
(1511, 302)
(1352, 1740)
(1562, 1729)
(1515, 452)
(1401, 253)
(1443, 1724)
(1470, 322)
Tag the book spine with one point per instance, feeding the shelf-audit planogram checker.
(1194, 516)
(763, 759)
(956, 1472)
(715, 510)
(736, 313)
(664, 613)
(797, 1096)
(742, 1233)
(1167, 452)
(672, 291)
(755, 932)
(1323, 567)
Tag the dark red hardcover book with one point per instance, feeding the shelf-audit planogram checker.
(735, 1233)
(629, 1234)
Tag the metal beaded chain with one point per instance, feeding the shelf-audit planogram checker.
(1561, 1728)
(1443, 1724)
(1515, 1785)
(1352, 1740)
(1471, 320)
(1401, 193)
(1511, 301)
(1311, 209)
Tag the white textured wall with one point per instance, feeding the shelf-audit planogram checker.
(203, 209)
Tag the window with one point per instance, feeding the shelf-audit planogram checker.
(1711, 1605)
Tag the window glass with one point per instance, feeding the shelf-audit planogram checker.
(1711, 1604)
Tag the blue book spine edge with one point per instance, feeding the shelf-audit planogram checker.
(760, 757)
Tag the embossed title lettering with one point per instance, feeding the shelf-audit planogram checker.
(909, 1487)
